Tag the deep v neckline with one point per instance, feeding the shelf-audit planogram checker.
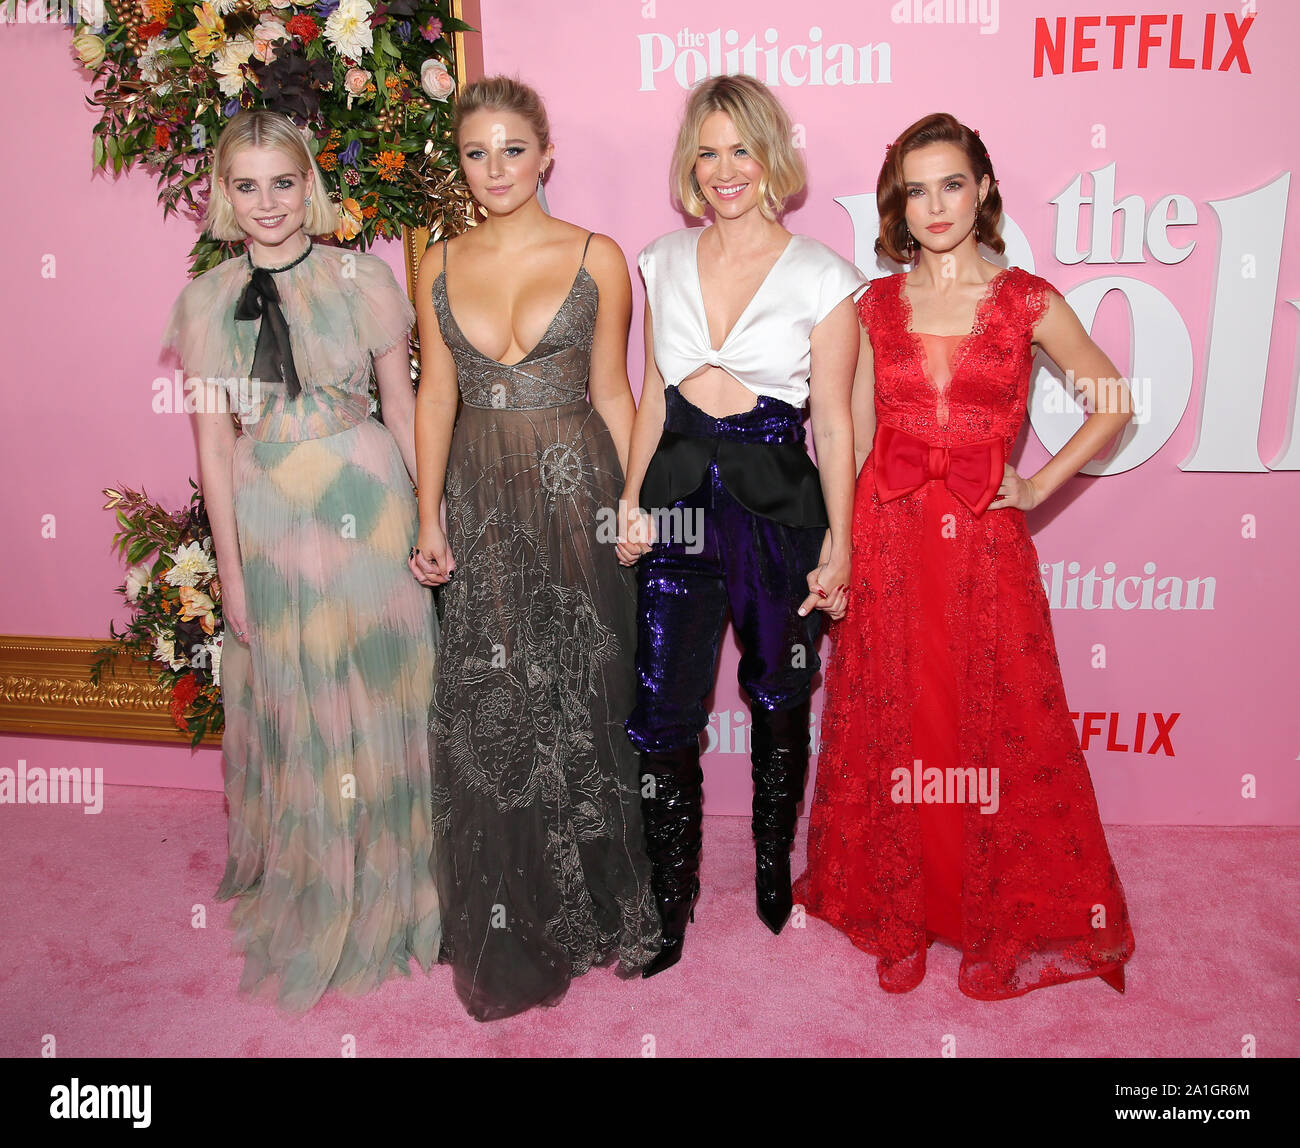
(536, 346)
(958, 353)
(740, 319)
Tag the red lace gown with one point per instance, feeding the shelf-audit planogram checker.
(945, 661)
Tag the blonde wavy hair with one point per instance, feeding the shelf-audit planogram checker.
(502, 94)
(262, 128)
(764, 128)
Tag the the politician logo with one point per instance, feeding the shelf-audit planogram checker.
(728, 732)
(689, 56)
(1070, 587)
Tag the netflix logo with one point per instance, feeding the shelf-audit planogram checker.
(1087, 43)
(1139, 733)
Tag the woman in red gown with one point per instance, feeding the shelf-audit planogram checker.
(952, 799)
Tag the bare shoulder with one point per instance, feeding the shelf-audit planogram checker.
(605, 257)
(430, 266)
(464, 246)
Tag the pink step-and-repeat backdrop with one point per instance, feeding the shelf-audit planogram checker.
(1145, 165)
(1145, 157)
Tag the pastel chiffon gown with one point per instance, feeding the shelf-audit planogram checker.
(946, 662)
(539, 848)
(325, 749)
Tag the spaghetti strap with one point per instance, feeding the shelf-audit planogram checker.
(584, 250)
(444, 256)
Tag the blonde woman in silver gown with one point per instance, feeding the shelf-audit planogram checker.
(538, 853)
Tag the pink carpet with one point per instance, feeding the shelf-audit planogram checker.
(96, 948)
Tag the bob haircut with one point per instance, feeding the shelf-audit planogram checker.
(262, 128)
(502, 94)
(764, 129)
(891, 191)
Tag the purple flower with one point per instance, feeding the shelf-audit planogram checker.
(230, 108)
(326, 7)
(291, 83)
(348, 156)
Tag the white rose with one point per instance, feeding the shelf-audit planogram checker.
(436, 81)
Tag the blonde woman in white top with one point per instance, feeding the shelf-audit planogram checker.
(726, 508)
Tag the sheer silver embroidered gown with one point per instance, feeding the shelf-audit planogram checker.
(539, 855)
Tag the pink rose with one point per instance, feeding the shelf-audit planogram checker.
(355, 81)
(436, 81)
(268, 30)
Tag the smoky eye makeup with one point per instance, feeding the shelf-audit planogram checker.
(281, 183)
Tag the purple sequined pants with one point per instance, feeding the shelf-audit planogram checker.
(715, 555)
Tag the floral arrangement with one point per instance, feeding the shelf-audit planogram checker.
(371, 84)
(175, 597)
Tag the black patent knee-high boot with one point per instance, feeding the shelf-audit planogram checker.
(779, 753)
(673, 820)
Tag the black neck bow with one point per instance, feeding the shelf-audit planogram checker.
(273, 357)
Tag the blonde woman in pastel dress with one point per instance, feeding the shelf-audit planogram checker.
(328, 656)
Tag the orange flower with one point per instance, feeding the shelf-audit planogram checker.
(161, 135)
(210, 32)
(369, 211)
(159, 10)
(349, 220)
(389, 165)
(196, 604)
(327, 160)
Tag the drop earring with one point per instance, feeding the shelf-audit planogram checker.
(307, 202)
(541, 192)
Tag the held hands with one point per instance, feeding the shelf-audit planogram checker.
(431, 560)
(1019, 493)
(636, 533)
(828, 585)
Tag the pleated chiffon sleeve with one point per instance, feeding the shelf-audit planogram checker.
(384, 315)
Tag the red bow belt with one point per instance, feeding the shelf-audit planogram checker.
(903, 463)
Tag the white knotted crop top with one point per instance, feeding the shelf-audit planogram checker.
(768, 350)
